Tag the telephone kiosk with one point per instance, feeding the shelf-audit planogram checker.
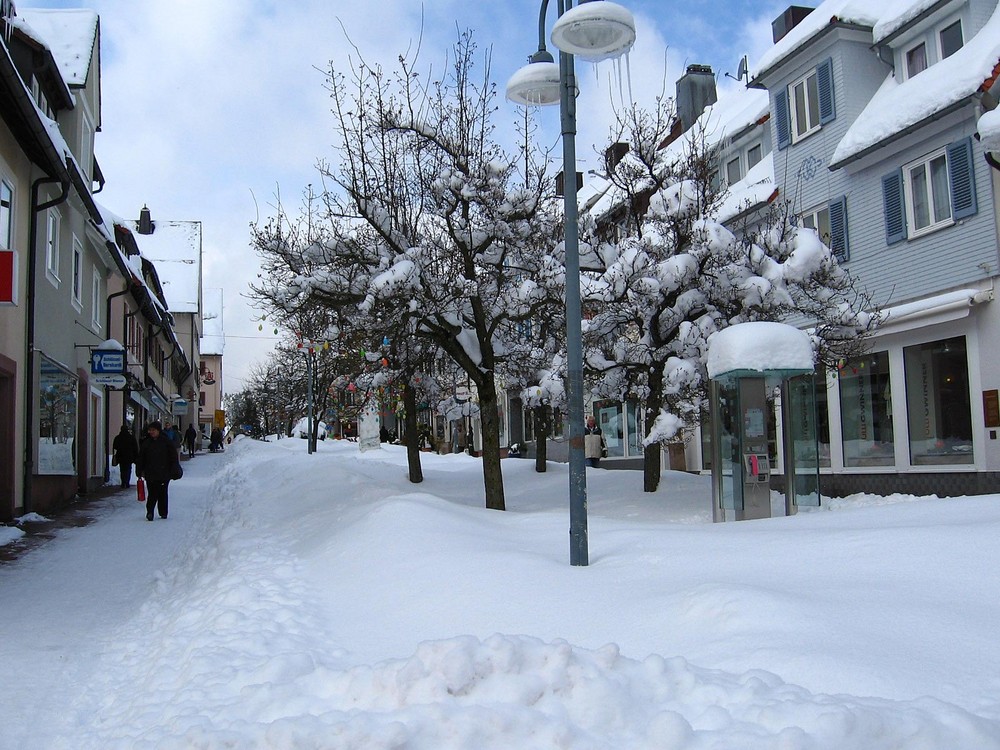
(753, 367)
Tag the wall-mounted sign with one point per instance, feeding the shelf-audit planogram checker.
(8, 277)
(178, 407)
(107, 361)
(111, 381)
(991, 408)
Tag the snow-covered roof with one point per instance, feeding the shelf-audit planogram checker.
(737, 110)
(213, 339)
(896, 14)
(756, 188)
(174, 247)
(989, 130)
(899, 105)
(69, 34)
(759, 346)
(859, 12)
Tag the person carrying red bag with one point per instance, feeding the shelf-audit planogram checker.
(157, 463)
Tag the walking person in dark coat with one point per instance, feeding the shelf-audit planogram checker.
(158, 463)
(124, 452)
(190, 436)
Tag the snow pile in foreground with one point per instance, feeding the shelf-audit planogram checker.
(250, 637)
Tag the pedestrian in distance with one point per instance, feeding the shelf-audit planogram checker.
(157, 464)
(173, 435)
(123, 454)
(593, 442)
(190, 436)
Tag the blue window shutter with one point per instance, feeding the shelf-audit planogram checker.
(824, 84)
(963, 179)
(838, 229)
(781, 119)
(892, 200)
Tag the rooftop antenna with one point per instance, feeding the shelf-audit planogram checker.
(742, 72)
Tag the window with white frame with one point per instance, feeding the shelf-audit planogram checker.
(937, 190)
(925, 189)
(754, 155)
(77, 272)
(916, 59)
(805, 106)
(950, 39)
(818, 220)
(6, 215)
(95, 319)
(52, 223)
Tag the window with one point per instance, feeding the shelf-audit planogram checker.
(925, 184)
(6, 216)
(866, 411)
(95, 319)
(733, 171)
(938, 404)
(818, 220)
(830, 223)
(916, 60)
(754, 155)
(57, 419)
(950, 39)
(52, 246)
(77, 272)
(805, 106)
(930, 193)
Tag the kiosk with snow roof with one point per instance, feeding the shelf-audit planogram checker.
(748, 363)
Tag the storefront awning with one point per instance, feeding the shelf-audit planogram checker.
(940, 308)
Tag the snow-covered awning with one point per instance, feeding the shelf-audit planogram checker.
(941, 308)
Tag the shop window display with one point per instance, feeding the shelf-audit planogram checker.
(938, 404)
(866, 411)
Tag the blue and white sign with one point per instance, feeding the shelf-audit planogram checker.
(107, 362)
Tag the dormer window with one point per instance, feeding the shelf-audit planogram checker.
(916, 60)
(950, 38)
(754, 155)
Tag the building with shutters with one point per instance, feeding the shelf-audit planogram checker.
(874, 122)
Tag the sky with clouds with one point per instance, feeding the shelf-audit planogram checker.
(212, 109)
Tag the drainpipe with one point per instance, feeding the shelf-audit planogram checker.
(29, 327)
(107, 390)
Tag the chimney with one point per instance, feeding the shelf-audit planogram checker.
(788, 20)
(146, 225)
(695, 92)
(614, 154)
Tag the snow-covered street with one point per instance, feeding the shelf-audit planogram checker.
(324, 602)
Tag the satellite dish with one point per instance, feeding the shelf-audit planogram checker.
(742, 72)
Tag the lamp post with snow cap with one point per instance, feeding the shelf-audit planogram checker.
(594, 30)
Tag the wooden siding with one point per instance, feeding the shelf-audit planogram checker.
(949, 257)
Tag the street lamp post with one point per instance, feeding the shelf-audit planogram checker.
(594, 30)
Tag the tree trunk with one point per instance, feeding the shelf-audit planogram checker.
(492, 475)
(651, 455)
(651, 468)
(412, 444)
(541, 437)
